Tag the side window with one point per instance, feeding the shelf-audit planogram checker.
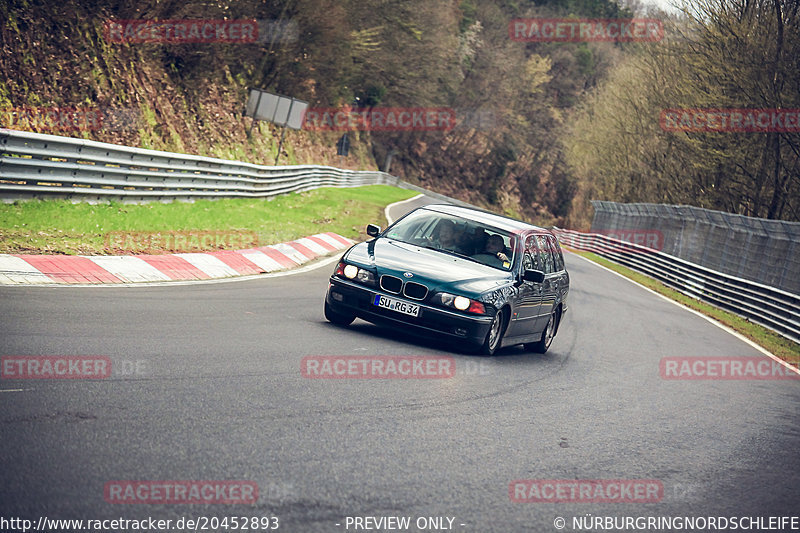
(545, 254)
(558, 256)
(530, 259)
(527, 262)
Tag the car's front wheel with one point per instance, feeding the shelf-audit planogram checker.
(495, 335)
(547, 335)
(335, 317)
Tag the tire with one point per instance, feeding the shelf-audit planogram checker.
(340, 319)
(548, 335)
(495, 335)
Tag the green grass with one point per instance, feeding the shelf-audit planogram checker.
(61, 227)
(780, 346)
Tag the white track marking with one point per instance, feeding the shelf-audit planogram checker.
(401, 202)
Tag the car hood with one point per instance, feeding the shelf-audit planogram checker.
(437, 270)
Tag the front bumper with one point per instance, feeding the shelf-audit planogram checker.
(352, 298)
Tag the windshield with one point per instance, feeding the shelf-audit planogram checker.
(456, 236)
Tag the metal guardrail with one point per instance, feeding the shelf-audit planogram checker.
(770, 307)
(758, 249)
(34, 165)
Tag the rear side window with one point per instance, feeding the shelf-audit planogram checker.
(545, 254)
(558, 256)
(530, 259)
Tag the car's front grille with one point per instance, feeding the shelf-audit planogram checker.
(415, 291)
(410, 289)
(391, 284)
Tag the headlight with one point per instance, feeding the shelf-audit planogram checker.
(462, 303)
(350, 271)
(365, 276)
(355, 273)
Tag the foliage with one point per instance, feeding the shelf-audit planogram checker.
(720, 54)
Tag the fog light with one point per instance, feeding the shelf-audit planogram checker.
(461, 332)
(336, 296)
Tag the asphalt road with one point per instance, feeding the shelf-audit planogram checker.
(207, 386)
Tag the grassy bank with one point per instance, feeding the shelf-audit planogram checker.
(61, 227)
(768, 339)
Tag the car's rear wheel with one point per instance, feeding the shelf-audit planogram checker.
(547, 335)
(335, 317)
(495, 335)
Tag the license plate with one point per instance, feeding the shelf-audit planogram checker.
(396, 305)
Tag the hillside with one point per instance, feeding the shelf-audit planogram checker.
(540, 129)
(188, 97)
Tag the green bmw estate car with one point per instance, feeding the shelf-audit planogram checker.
(458, 273)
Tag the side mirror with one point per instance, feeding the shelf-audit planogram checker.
(536, 276)
(373, 230)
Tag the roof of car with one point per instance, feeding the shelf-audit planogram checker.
(485, 217)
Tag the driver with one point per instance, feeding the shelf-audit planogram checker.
(448, 237)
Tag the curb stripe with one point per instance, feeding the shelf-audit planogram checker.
(174, 267)
(210, 265)
(303, 249)
(70, 269)
(337, 245)
(262, 260)
(338, 238)
(15, 270)
(237, 261)
(31, 269)
(328, 247)
(313, 245)
(290, 252)
(130, 268)
(282, 259)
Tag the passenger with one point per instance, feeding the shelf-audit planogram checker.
(495, 247)
(471, 240)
